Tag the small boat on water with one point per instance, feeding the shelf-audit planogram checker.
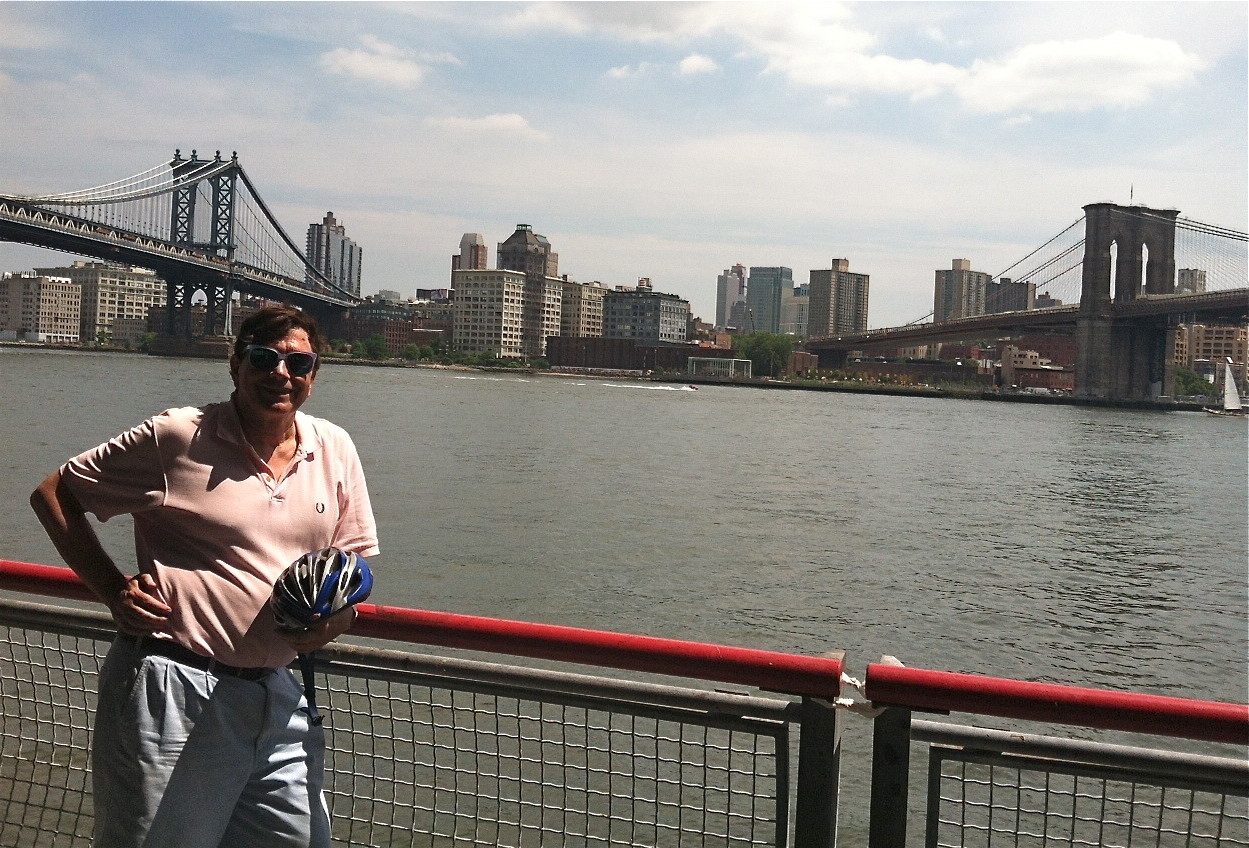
(1231, 396)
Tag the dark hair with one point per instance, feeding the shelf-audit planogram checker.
(273, 323)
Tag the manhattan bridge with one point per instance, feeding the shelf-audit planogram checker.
(198, 223)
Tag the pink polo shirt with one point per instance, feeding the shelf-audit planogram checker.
(214, 529)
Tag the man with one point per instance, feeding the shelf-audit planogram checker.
(202, 736)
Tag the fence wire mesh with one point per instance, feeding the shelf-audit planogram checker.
(431, 751)
(431, 761)
(47, 699)
(463, 766)
(986, 799)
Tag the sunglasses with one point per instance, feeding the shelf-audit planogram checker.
(298, 363)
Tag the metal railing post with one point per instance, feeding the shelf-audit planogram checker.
(891, 765)
(819, 772)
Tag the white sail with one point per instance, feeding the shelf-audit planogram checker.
(1231, 397)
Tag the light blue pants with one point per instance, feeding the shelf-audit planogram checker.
(185, 759)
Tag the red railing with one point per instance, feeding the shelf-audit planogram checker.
(769, 670)
(922, 689)
(915, 688)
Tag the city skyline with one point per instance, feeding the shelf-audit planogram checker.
(668, 141)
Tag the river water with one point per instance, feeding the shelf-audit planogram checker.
(1066, 544)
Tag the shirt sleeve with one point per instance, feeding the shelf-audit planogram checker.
(122, 476)
(357, 528)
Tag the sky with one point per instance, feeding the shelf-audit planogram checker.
(667, 140)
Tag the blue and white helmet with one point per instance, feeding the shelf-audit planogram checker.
(318, 585)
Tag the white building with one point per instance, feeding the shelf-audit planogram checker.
(115, 300)
(581, 313)
(795, 311)
(488, 312)
(39, 308)
(543, 311)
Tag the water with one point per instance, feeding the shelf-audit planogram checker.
(1095, 547)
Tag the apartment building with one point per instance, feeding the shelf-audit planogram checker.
(838, 301)
(116, 300)
(645, 315)
(959, 292)
(488, 310)
(1210, 343)
(581, 312)
(38, 308)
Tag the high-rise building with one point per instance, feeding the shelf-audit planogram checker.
(1190, 281)
(39, 308)
(795, 311)
(116, 300)
(528, 252)
(959, 292)
(334, 255)
(542, 310)
(645, 315)
(766, 287)
(1007, 296)
(472, 255)
(730, 290)
(581, 312)
(488, 312)
(839, 300)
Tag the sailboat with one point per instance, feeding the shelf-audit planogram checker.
(1231, 397)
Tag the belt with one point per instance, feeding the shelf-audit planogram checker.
(185, 656)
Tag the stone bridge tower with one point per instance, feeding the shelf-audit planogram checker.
(1119, 358)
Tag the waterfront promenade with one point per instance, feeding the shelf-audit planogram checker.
(427, 749)
(1101, 548)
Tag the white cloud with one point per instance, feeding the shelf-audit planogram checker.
(378, 62)
(696, 64)
(1116, 70)
(17, 33)
(627, 71)
(628, 21)
(509, 124)
(820, 45)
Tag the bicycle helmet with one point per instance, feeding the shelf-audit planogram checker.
(318, 585)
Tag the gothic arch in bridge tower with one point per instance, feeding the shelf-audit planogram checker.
(1134, 231)
(1119, 359)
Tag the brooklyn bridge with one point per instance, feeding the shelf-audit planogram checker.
(203, 227)
(1114, 272)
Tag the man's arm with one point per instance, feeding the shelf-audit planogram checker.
(133, 602)
(318, 636)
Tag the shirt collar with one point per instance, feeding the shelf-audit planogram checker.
(230, 428)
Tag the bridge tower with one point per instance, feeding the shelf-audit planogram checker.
(220, 242)
(1121, 359)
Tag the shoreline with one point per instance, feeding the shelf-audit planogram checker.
(685, 379)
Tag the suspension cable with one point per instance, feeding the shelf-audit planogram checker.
(1068, 229)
